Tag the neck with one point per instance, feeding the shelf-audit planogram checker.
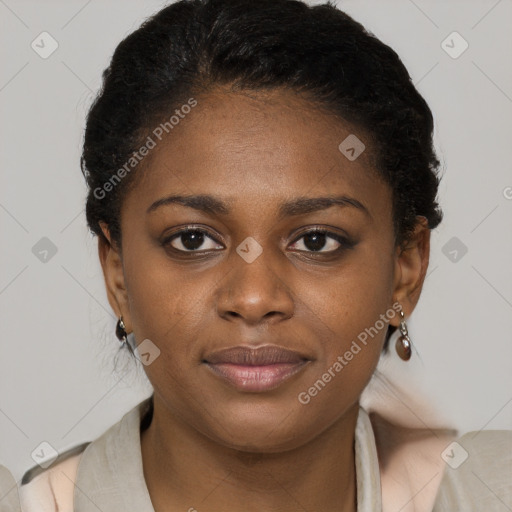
(184, 469)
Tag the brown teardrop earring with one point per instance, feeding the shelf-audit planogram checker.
(403, 343)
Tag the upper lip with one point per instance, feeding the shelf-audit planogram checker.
(249, 356)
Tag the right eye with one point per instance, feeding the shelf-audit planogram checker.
(189, 240)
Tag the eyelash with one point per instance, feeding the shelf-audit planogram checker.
(344, 242)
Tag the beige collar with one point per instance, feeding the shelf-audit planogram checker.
(397, 468)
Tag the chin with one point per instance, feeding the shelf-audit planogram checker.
(254, 431)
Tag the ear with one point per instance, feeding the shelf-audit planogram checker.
(411, 265)
(113, 273)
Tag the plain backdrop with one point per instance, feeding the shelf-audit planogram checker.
(60, 380)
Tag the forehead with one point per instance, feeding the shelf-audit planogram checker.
(254, 147)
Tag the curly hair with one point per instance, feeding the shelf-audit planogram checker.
(192, 46)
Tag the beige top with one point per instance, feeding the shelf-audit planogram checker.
(9, 500)
(396, 469)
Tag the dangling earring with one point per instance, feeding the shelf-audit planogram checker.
(403, 343)
(121, 331)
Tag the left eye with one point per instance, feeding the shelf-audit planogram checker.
(316, 240)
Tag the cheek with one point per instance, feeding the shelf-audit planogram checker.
(350, 313)
(351, 299)
(351, 334)
(159, 294)
(166, 308)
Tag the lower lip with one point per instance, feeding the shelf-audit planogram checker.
(256, 378)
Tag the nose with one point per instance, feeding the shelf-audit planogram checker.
(255, 292)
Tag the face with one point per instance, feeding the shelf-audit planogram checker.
(253, 269)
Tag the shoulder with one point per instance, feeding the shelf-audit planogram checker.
(478, 472)
(51, 489)
(8, 491)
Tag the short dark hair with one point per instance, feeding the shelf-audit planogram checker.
(191, 46)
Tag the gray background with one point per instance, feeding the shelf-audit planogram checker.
(60, 380)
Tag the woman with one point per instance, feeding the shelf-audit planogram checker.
(263, 184)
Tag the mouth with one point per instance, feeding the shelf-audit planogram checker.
(255, 369)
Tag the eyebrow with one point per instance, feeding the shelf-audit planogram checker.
(298, 206)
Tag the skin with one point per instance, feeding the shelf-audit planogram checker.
(211, 446)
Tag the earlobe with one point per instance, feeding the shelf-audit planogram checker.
(411, 267)
(113, 273)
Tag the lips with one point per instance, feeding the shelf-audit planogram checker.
(246, 356)
(255, 369)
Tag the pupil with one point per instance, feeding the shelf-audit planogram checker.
(192, 240)
(318, 241)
